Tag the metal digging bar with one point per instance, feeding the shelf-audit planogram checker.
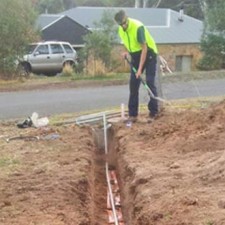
(144, 83)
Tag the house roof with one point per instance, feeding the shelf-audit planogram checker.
(61, 28)
(163, 24)
(44, 20)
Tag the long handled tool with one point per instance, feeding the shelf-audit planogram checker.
(144, 83)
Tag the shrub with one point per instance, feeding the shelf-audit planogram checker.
(213, 47)
(68, 71)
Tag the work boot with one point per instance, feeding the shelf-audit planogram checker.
(131, 119)
(151, 118)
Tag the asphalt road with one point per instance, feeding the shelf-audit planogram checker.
(50, 102)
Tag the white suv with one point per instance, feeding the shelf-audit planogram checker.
(48, 57)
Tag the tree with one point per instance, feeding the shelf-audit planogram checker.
(98, 44)
(213, 39)
(191, 7)
(213, 47)
(49, 6)
(215, 15)
(68, 4)
(17, 19)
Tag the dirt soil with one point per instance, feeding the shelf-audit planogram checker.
(171, 171)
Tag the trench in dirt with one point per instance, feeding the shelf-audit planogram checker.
(169, 173)
(103, 214)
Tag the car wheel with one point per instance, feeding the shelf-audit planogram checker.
(69, 64)
(69, 68)
(24, 70)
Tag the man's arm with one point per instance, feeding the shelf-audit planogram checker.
(142, 59)
(144, 50)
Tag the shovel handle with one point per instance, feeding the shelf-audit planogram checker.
(142, 81)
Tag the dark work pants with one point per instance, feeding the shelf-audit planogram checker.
(150, 70)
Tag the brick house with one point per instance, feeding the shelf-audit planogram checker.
(177, 35)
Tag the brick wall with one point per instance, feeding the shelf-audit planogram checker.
(168, 52)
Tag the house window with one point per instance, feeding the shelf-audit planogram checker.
(183, 63)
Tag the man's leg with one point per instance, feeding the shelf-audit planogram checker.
(134, 95)
(151, 65)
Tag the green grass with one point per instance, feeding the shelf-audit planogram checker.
(7, 161)
(209, 222)
(195, 75)
(182, 104)
(119, 76)
(175, 77)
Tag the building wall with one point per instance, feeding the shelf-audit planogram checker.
(173, 54)
(168, 51)
(65, 30)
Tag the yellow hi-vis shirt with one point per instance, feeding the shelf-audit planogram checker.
(130, 39)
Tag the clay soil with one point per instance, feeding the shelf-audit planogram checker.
(171, 171)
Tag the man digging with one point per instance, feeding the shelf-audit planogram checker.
(143, 52)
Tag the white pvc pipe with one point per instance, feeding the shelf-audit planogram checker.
(107, 171)
(111, 194)
(122, 111)
(105, 133)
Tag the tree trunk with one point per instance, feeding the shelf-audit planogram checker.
(145, 3)
(137, 3)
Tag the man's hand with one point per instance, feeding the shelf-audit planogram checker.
(142, 59)
(125, 55)
(138, 74)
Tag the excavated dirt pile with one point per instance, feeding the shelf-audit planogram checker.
(46, 181)
(171, 172)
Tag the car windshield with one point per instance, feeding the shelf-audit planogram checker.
(30, 48)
